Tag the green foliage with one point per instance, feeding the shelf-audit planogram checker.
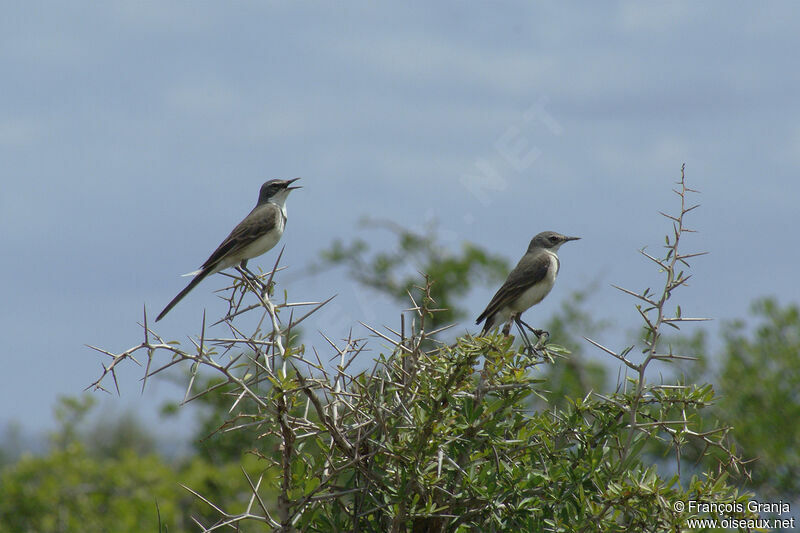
(99, 478)
(437, 445)
(756, 372)
(474, 435)
(13, 443)
(396, 273)
(574, 376)
(70, 490)
(104, 436)
(212, 439)
(759, 380)
(73, 490)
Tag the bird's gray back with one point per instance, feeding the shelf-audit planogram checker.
(261, 220)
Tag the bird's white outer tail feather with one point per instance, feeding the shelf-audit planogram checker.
(193, 273)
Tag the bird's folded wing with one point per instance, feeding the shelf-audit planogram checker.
(527, 273)
(260, 221)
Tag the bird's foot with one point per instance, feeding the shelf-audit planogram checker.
(542, 336)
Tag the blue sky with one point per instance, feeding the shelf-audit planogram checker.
(134, 136)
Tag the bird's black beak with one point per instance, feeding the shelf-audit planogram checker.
(289, 182)
(571, 239)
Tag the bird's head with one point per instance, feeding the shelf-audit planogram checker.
(550, 240)
(276, 191)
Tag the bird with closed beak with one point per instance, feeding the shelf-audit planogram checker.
(526, 285)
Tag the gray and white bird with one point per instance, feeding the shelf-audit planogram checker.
(526, 285)
(258, 233)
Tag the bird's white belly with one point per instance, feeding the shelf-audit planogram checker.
(536, 294)
(268, 241)
(260, 246)
(263, 244)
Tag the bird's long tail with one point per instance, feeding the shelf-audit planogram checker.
(192, 284)
(487, 325)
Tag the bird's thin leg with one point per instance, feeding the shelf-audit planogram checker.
(254, 278)
(537, 332)
(249, 279)
(243, 266)
(542, 335)
(525, 340)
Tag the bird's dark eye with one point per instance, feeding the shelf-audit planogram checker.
(554, 238)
